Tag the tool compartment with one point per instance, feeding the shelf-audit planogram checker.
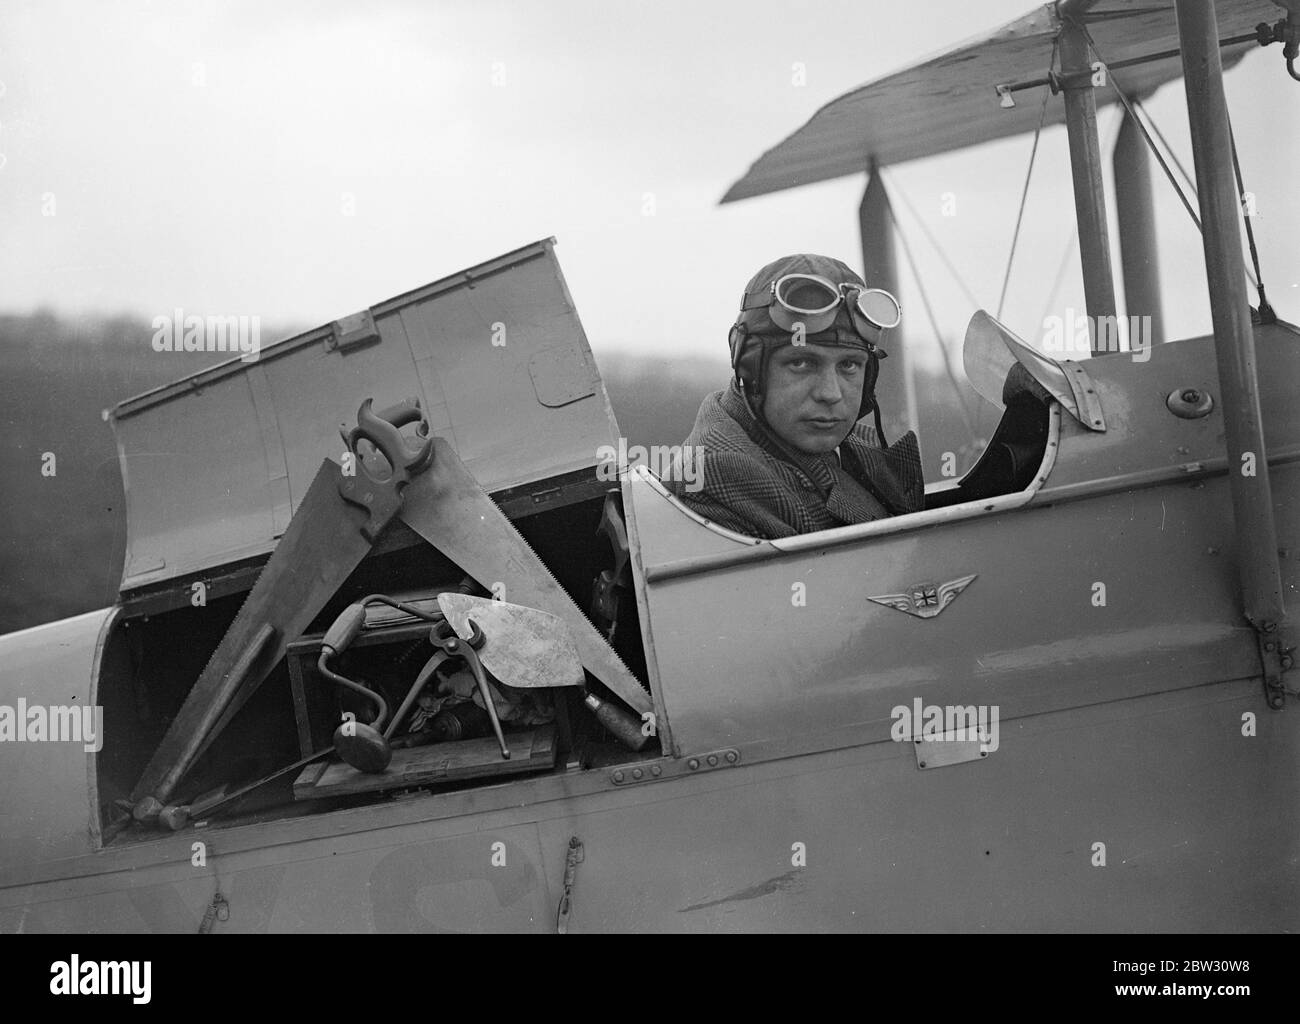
(151, 659)
(245, 440)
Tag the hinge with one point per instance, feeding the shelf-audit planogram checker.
(667, 768)
(1275, 658)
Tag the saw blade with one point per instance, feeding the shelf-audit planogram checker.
(523, 647)
(446, 506)
(320, 548)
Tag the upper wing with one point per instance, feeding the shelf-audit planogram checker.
(950, 101)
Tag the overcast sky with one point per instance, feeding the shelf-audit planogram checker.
(201, 155)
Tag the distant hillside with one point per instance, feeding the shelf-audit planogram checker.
(61, 551)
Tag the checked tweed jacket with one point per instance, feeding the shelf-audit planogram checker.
(754, 484)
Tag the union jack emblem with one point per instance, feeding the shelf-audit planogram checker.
(925, 600)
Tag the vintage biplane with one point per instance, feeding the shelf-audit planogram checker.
(448, 676)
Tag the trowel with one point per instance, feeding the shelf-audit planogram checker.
(531, 649)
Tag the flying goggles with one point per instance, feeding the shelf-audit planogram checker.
(813, 301)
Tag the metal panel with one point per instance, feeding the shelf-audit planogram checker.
(1145, 439)
(215, 464)
(1006, 844)
(949, 101)
(197, 488)
(1024, 637)
(50, 665)
(277, 468)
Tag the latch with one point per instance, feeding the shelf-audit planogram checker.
(352, 332)
(218, 910)
(574, 856)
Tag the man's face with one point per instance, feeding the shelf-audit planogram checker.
(813, 394)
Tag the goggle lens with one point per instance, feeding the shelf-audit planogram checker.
(801, 294)
(881, 308)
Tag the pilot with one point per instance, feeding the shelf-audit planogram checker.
(784, 449)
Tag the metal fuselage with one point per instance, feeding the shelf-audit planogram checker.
(1139, 782)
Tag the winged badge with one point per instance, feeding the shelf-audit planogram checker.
(925, 600)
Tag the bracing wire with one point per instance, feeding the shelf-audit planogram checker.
(1061, 267)
(934, 323)
(1173, 155)
(1266, 313)
(929, 237)
(1123, 98)
(1066, 254)
(1024, 194)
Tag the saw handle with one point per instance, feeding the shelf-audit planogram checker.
(404, 412)
(382, 497)
(387, 438)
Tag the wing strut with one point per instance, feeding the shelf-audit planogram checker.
(1089, 194)
(1234, 342)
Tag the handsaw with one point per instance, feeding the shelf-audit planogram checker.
(332, 530)
(447, 507)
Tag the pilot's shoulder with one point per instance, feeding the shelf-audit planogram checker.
(864, 434)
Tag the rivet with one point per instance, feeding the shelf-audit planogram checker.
(922, 764)
(731, 757)
(692, 764)
(637, 773)
(618, 776)
(713, 760)
(656, 771)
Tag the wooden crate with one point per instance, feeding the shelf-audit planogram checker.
(532, 750)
